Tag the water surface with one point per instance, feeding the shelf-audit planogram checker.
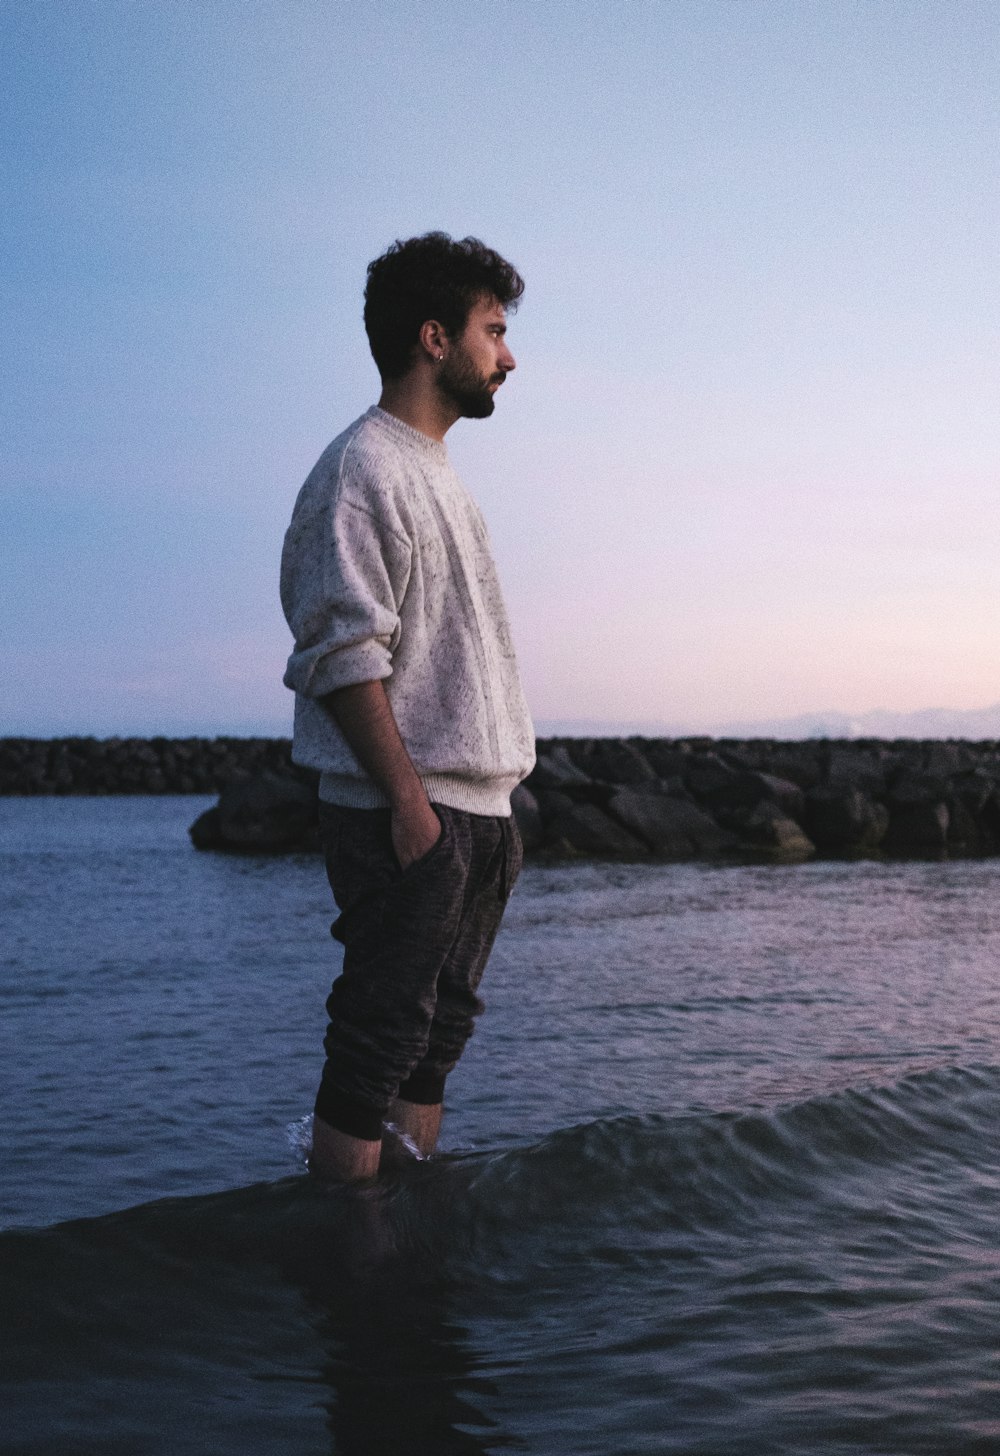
(719, 1171)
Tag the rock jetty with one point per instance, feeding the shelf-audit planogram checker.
(137, 765)
(757, 800)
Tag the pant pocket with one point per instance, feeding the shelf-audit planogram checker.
(439, 848)
(513, 857)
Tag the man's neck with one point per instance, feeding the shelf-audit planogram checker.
(414, 400)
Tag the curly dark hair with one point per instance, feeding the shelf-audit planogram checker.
(430, 277)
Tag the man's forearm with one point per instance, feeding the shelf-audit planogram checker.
(365, 718)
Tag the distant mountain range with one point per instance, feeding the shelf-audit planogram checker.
(972, 723)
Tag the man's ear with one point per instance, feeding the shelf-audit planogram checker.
(433, 339)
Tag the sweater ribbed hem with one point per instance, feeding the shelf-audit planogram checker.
(473, 796)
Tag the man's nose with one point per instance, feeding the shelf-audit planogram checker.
(507, 362)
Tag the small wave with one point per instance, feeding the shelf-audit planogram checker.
(695, 1228)
(692, 1171)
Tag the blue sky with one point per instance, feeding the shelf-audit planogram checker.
(748, 464)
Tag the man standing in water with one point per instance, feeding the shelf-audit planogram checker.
(408, 700)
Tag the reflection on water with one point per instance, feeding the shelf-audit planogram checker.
(401, 1372)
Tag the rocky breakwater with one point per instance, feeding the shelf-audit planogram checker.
(740, 801)
(625, 798)
(266, 804)
(137, 765)
(763, 800)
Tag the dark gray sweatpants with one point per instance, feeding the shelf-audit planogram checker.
(416, 942)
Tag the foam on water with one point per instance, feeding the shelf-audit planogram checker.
(299, 1137)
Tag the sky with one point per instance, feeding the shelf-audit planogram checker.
(747, 465)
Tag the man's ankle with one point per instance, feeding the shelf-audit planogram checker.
(419, 1122)
(338, 1157)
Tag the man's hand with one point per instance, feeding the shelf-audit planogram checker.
(366, 720)
(415, 831)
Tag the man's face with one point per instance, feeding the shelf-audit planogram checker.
(477, 362)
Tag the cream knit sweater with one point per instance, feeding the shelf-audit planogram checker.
(387, 574)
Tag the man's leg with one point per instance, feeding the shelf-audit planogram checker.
(494, 856)
(397, 928)
(338, 1156)
(419, 1121)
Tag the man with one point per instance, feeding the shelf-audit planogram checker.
(408, 700)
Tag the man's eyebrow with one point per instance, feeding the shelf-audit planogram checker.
(498, 328)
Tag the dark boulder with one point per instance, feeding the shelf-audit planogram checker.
(708, 776)
(673, 787)
(268, 814)
(667, 760)
(918, 830)
(964, 834)
(672, 828)
(844, 820)
(988, 819)
(974, 787)
(919, 818)
(783, 792)
(581, 828)
(206, 832)
(554, 769)
(856, 768)
(772, 835)
(911, 787)
(613, 760)
(527, 817)
(724, 790)
(944, 760)
(798, 763)
(753, 753)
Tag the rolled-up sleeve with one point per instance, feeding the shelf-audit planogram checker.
(343, 575)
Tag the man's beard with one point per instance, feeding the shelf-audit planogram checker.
(459, 382)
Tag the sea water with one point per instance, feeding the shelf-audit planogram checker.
(720, 1170)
